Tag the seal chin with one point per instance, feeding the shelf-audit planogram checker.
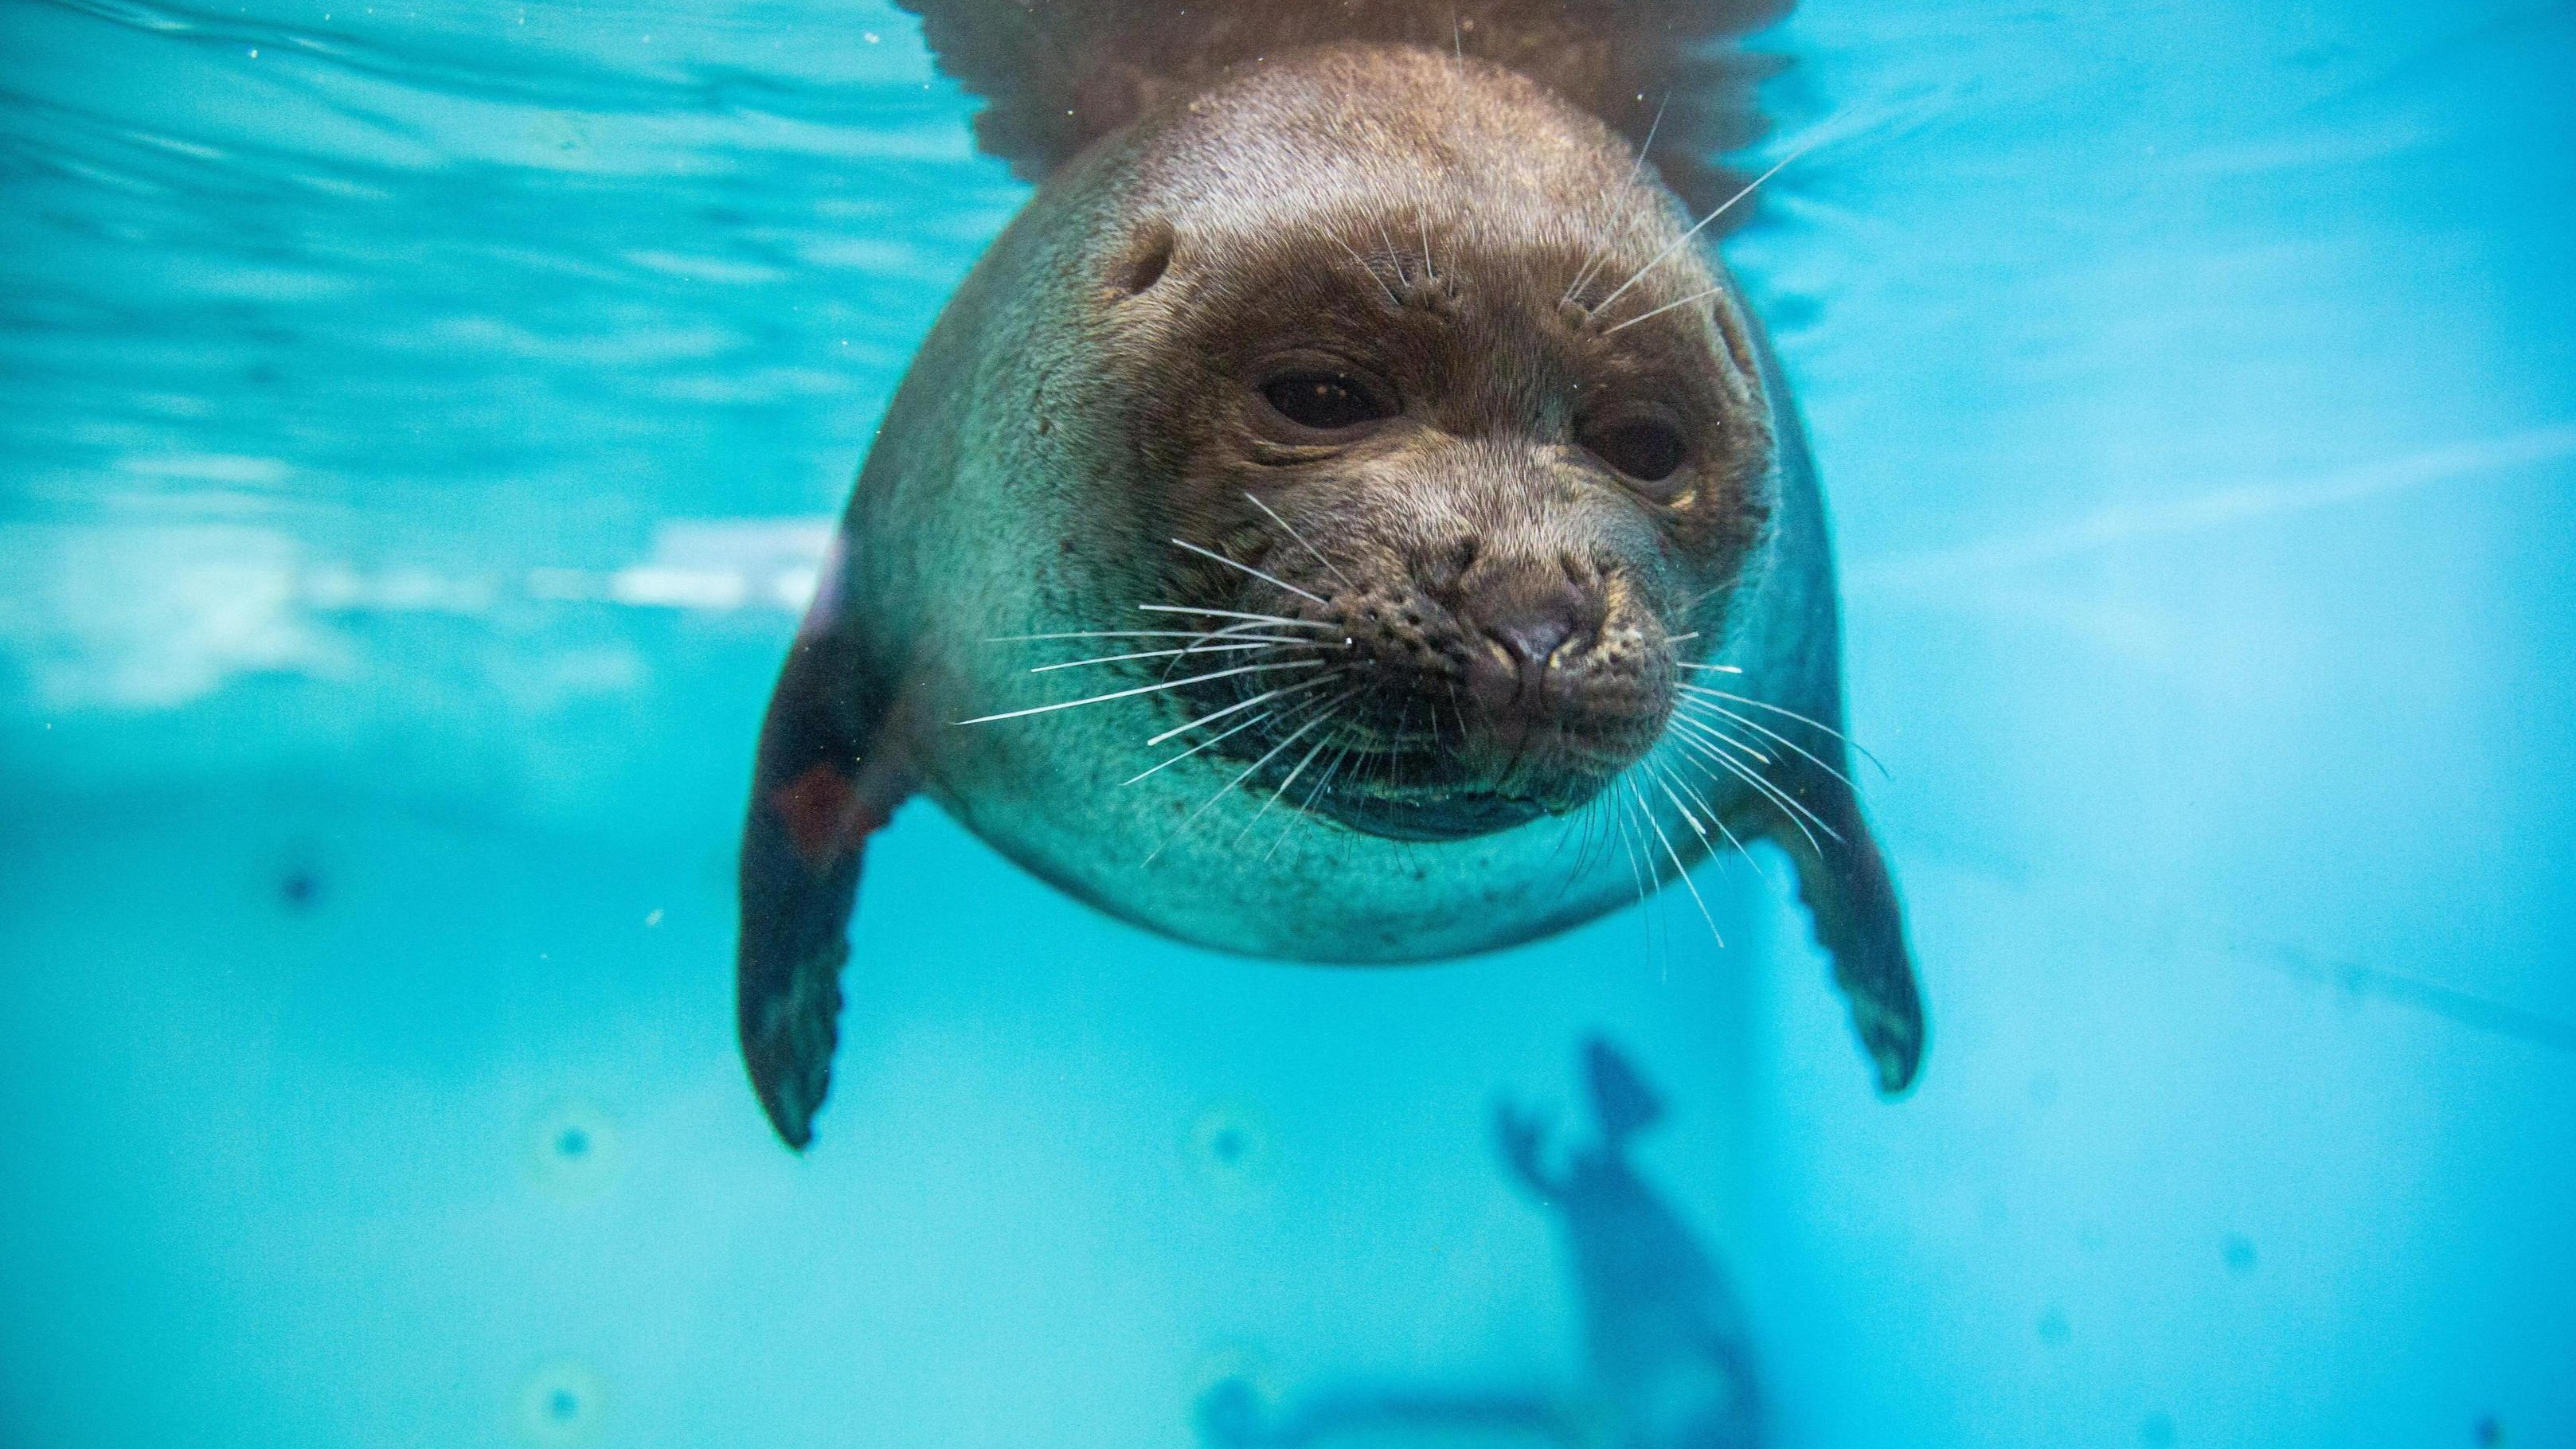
(1458, 816)
(1428, 796)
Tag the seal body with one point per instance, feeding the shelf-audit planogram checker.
(1347, 517)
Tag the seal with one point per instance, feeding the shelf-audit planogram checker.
(1347, 516)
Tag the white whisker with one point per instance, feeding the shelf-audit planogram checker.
(1796, 807)
(1141, 689)
(1711, 668)
(1267, 714)
(1678, 868)
(1308, 759)
(1314, 793)
(1696, 725)
(1170, 653)
(1391, 297)
(1266, 758)
(1769, 733)
(1280, 693)
(1301, 540)
(1636, 168)
(1106, 634)
(1209, 553)
(1792, 714)
(1684, 239)
(1628, 846)
(1281, 621)
(1698, 296)
(1720, 821)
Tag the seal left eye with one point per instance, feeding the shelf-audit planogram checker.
(1325, 401)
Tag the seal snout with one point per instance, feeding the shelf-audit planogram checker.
(1524, 638)
(1498, 685)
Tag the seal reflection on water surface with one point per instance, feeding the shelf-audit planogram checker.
(1431, 554)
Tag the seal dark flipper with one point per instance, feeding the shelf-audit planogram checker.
(821, 787)
(1861, 925)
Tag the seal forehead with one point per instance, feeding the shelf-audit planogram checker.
(1481, 153)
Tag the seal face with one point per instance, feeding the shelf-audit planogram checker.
(1404, 499)
(1496, 509)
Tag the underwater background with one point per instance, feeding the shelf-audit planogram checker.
(421, 428)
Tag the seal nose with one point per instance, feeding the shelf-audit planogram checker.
(1511, 672)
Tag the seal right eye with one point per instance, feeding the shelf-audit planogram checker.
(1646, 449)
(1328, 402)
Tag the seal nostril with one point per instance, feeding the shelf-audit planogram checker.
(1510, 673)
(1534, 640)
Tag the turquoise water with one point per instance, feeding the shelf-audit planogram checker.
(422, 423)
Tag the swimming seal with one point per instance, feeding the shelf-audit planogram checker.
(1346, 516)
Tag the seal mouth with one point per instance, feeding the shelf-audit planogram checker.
(1428, 769)
(1432, 691)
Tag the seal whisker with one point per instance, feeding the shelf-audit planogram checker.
(1280, 693)
(1314, 793)
(1636, 168)
(1209, 553)
(1701, 295)
(1271, 754)
(1107, 634)
(1716, 819)
(1393, 299)
(1679, 869)
(1663, 782)
(1141, 689)
(1302, 763)
(1702, 224)
(1167, 653)
(1301, 540)
(1695, 725)
(1284, 623)
(1769, 733)
(1394, 254)
(1219, 639)
(1629, 846)
(1799, 813)
(1267, 714)
(1711, 668)
(1793, 714)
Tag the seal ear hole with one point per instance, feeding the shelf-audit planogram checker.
(1148, 257)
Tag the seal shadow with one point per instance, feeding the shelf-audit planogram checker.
(1667, 1363)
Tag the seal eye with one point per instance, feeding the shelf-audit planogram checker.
(1328, 402)
(1644, 448)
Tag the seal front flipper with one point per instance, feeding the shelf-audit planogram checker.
(1861, 925)
(825, 781)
